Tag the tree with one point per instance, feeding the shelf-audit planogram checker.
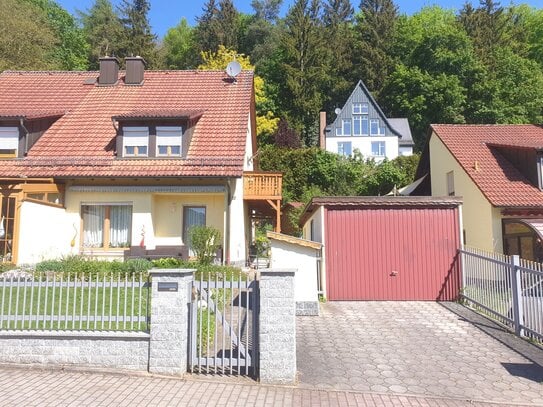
(179, 47)
(70, 52)
(103, 31)
(424, 98)
(338, 18)
(266, 122)
(285, 136)
(26, 40)
(303, 68)
(228, 22)
(374, 34)
(138, 40)
(267, 10)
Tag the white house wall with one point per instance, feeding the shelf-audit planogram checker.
(363, 144)
(45, 232)
(237, 224)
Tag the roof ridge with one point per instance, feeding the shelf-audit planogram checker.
(7, 71)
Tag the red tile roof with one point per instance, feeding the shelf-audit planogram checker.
(499, 180)
(82, 142)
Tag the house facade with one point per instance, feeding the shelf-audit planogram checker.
(497, 170)
(120, 164)
(361, 125)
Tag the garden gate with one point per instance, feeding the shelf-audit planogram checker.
(223, 325)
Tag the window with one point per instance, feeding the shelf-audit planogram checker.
(168, 141)
(106, 226)
(378, 148)
(346, 127)
(365, 125)
(192, 216)
(374, 126)
(360, 108)
(338, 131)
(9, 142)
(344, 148)
(135, 141)
(357, 125)
(450, 183)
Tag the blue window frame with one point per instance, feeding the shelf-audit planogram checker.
(344, 148)
(346, 124)
(378, 148)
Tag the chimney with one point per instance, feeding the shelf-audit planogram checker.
(109, 71)
(135, 67)
(322, 130)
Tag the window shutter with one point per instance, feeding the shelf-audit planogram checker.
(9, 138)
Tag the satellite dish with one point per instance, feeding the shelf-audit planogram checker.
(337, 111)
(233, 69)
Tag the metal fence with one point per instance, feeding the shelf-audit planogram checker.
(223, 325)
(506, 288)
(74, 301)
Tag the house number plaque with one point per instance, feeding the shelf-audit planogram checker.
(167, 286)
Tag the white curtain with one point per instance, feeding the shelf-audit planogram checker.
(120, 218)
(93, 225)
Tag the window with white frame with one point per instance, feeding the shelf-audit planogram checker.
(374, 127)
(168, 141)
(9, 142)
(378, 148)
(360, 108)
(135, 141)
(344, 148)
(357, 125)
(346, 125)
(106, 226)
(450, 183)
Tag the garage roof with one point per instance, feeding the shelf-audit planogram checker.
(378, 202)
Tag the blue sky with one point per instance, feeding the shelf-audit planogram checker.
(167, 13)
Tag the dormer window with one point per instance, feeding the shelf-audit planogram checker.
(168, 141)
(9, 142)
(135, 141)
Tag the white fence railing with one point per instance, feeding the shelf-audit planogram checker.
(506, 288)
(75, 301)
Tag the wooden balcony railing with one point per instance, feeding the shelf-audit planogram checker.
(262, 185)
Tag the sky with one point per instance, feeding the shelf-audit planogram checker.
(165, 14)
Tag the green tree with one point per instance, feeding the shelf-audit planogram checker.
(424, 98)
(179, 47)
(267, 10)
(138, 39)
(103, 31)
(302, 70)
(27, 42)
(70, 52)
(374, 34)
(339, 35)
(228, 19)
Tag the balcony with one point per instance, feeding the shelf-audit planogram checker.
(263, 194)
(262, 185)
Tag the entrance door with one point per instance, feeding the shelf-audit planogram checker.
(192, 216)
(7, 227)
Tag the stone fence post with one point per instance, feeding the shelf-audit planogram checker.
(277, 327)
(168, 346)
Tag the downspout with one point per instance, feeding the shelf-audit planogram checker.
(22, 124)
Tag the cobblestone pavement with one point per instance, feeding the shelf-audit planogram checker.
(418, 348)
(33, 387)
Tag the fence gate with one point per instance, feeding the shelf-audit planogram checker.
(223, 325)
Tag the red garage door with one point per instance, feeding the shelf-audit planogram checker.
(392, 253)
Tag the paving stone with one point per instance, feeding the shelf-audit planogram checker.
(425, 348)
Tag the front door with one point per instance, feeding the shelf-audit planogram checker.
(192, 216)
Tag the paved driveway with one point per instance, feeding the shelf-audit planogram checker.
(420, 348)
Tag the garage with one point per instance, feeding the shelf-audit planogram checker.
(386, 248)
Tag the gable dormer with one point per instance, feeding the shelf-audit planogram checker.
(155, 134)
(527, 160)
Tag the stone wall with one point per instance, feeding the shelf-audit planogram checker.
(118, 350)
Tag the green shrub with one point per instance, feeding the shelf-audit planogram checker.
(205, 241)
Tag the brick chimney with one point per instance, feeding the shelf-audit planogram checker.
(322, 130)
(109, 71)
(135, 68)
